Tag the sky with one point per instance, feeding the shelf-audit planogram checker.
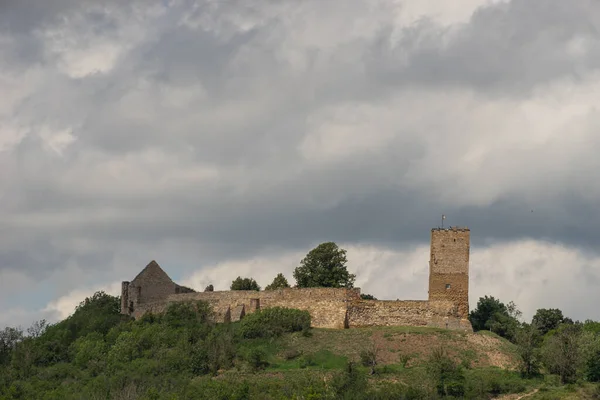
(229, 138)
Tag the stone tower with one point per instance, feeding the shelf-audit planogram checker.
(449, 267)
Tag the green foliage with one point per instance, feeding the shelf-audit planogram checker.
(98, 354)
(547, 319)
(561, 352)
(492, 381)
(256, 357)
(9, 338)
(528, 339)
(491, 314)
(446, 374)
(273, 322)
(369, 357)
(279, 282)
(324, 266)
(240, 283)
(592, 371)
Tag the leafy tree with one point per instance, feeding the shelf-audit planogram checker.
(244, 284)
(548, 319)
(209, 288)
(561, 352)
(278, 283)
(9, 338)
(37, 328)
(324, 266)
(527, 339)
(495, 316)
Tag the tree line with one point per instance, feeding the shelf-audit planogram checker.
(550, 342)
(323, 266)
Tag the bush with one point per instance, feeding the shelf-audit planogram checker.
(256, 358)
(447, 376)
(273, 322)
(592, 370)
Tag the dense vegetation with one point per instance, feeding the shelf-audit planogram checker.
(551, 343)
(97, 353)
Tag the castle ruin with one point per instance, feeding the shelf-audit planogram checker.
(447, 306)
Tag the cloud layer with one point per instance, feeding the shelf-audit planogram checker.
(224, 138)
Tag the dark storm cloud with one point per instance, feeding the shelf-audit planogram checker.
(200, 133)
(504, 48)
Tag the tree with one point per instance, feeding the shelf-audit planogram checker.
(547, 319)
(324, 266)
(495, 316)
(209, 288)
(244, 284)
(38, 328)
(561, 352)
(9, 338)
(279, 282)
(527, 339)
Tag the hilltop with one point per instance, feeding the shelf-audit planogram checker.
(98, 353)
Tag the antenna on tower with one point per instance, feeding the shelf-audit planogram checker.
(443, 218)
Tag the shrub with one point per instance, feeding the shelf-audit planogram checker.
(446, 374)
(273, 322)
(291, 354)
(256, 358)
(592, 370)
(368, 358)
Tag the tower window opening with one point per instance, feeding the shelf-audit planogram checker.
(447, 286)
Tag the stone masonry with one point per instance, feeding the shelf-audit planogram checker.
(337, 308)
(449, 268)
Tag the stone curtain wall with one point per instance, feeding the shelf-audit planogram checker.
(449, 267)
(439, 314)
(327, 306)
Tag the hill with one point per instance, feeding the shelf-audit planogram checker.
(97, 353)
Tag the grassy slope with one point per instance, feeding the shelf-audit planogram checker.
(402, 351)
(393, 344)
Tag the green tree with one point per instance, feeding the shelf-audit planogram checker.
(9, 338)
(528, 339)
(561, 352)
(495, 316)
(324, 266)
(547, 319)
(278, 283)
(244, 284)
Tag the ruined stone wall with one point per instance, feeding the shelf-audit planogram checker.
(440, 314)
(327, 306)
(151, 285)
(449, 267)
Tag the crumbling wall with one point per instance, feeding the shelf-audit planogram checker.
(404, 313)
(327, 306)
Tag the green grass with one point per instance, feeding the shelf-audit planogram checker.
(322, 360)
(581, 390)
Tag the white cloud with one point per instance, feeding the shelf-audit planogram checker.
(533, 274)
(65, 305)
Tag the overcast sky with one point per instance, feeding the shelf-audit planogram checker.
(229, 138)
